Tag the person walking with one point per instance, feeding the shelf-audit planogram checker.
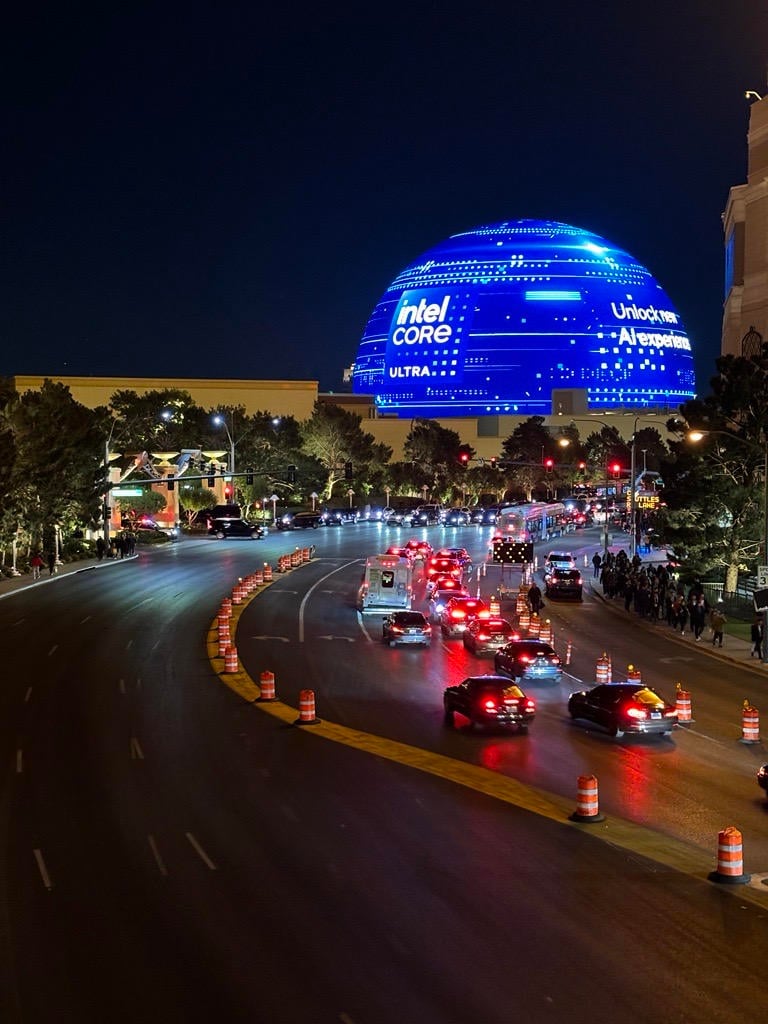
(51, 563)
(717, 621)
(101, 547)
(534, 598)
(756, 636)
(698, 616)
(36, 565)
(597, 561)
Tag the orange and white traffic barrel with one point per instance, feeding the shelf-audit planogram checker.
(587, 806)
(568, 652)
(222, 621)
(535, 624)
(225, 642)
(494, 606)
(306, 708)
(730, 858)
(545, 632)
(520, 604)
(230, 659)
(306, 554)
(750, 724)
(267, 686)
(258, 577)
(295, 559)
(267, 572)
(602, 669)
(237, 594)
(633, 674)
(524, 621)
(683, 706)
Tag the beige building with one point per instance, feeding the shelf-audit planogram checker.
(745, 225)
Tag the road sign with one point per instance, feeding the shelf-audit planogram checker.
(762, 576)
(136, 492)
(506, 552)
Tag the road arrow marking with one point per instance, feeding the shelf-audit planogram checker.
(349, 639)
(282, 639)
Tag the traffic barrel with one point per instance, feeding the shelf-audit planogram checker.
(587, 807)
(633, 674)
(230, 659)
(267, 573)
(750, 724)
(258, 577)
(225, 642)
(223, 621)
(295, 559)
(730, 858)
(535, 624)
(683, 706)
(520, 604)
(545, 632)
(306, 554)
(495, 606)
(568, 651)
(237, 594)
(524, 620)
(306, 708)
(602, 669)
(267, 686)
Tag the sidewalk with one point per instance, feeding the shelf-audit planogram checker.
(13, 584)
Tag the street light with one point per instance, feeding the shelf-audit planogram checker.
(699, 435)
(219, 420)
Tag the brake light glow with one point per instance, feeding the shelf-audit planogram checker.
(397, 629)
(530, 705)
(489, 705)
(458, 614)
(483, 636)
(636, 713)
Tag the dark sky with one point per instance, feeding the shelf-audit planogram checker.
(225, 190)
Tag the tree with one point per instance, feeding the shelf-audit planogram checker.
(145, 504)
(334, 437)
(194, 498)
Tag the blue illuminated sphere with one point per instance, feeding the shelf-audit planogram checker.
(491, 320)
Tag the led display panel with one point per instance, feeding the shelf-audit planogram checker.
(492, 320)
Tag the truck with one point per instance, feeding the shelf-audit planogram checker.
(387, 584)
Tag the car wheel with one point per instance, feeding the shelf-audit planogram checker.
(315, 525)
(616, 732)
(220, 535)
(448, 716)
(255, 534)
(393, 643)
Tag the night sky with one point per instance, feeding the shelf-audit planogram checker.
(225, 190)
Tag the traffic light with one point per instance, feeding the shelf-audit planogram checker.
(464, 458)
(211, 480)
(582, 467)
(348, 471)
(170, 481)
(493, 462)
(228, 490)
(549, 465)
(249, 477)
(616, 468)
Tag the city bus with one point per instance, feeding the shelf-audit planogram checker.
(532, 522)
(387, 584)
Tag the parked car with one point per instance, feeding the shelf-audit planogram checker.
(487, 701)
(486, 635)
(339, 516)
(224, 528)
(458, 614)
(399, 517)
(406, 628)
(624, 707)
(456, 517)
(530, 660)
(563, 583)
(428, 515)
(299, 520)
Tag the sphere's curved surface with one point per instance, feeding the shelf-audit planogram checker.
(491, 320)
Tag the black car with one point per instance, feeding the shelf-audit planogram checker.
(406, 628)
(490, 515)
(624, 707)
(339, 516)
(223, 528)
(428, 515)
(529, 659)
(299, 520)
(486, 635)
(456, 517)
(559, 582)
(489, 700)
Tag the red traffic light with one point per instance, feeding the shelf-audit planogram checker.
(616, 468)
(464, 457)
(549, 464)
(227, 490)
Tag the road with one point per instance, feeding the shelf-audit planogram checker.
(172, 853)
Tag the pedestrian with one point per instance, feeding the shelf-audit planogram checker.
(756, 636)
(597, 561)
(101, 547)
(534, 598)
(36, 565)
(698, 616)
(682, 616)
(717, 620)
(51, 563)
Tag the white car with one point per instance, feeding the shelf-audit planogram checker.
(559, 560)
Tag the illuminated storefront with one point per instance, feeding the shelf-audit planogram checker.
(492, 320)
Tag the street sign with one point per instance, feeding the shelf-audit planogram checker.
(136, 492)
(507, 552)
(762, 576)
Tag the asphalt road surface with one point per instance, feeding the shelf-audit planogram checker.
(171, 853)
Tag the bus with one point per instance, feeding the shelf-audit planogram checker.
(531, 522)
(387, 584)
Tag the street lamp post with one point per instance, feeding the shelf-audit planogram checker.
(699, 435)
(220, 421)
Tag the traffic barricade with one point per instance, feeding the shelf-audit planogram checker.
(306, 708)
(683, 706)
(267, 686)
(545, 631)
(230, 660)
(603, 669)
(587, 804)
(267, 573)
(633, 674)
(750, 724)
(730, 858)
(525, 620)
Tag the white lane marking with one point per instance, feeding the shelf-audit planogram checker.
(83, 621)
(330, 636)
(129, 645)
(28, 695)
(361, 624)
(43, 870)
(198, 848)
(19, 762)
(54, 648)
(157, 644)
(137, 754)
(314, 586)
(121, 686)
(156, 854)
(261, 636)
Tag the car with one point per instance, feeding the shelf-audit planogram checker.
(419, 549)
(443, 583)
(529, 659)
(563, 583)
(476, 514)
(443, 567)
(440, 597)
(624, 708)
(460, 554)
(428, 515)
(399, 517)
(487, 634)
(490, 515)
(224, 528)
(559, 560)
(300, 520)
(458, 614)
(487, 701)
(406, 628)
(762, 776)
(401, 552)
(456, 517)
(339, 516)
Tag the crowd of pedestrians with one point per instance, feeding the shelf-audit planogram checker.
(654, 594)
(121, 546)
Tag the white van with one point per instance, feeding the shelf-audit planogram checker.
(387, 585)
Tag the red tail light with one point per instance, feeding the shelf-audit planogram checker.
(397, 629)
(483, 636)
(489, 705)
(530, 705)
(456, 614)
(525, 657)
(635, 712)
